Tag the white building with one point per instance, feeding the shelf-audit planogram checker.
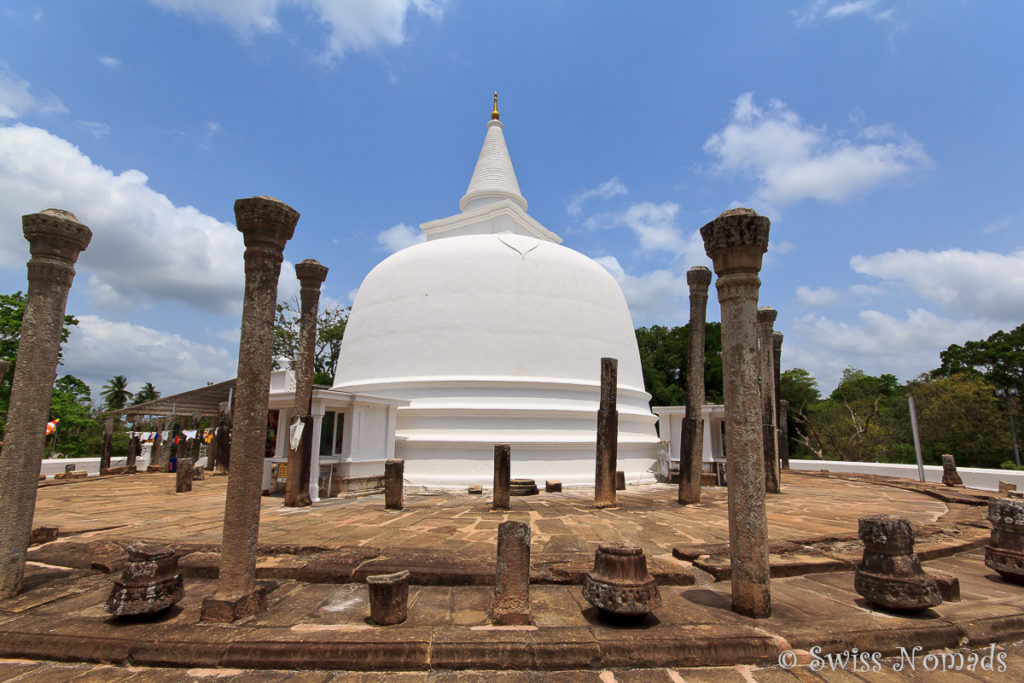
(493, 332)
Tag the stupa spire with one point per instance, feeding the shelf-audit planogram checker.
(493, 179)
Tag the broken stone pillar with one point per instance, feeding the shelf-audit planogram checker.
(1005, 549)
(522, 487)
(394, 483)
(149, 584)
(55, 240)
(389, 597)
(223, 438)
(784, 434)
(607, 436)
(782, 456)
(620, 586)
(108, 436)
(311, 274)
(949, 473)
(890, 574)
(266, 225)
(512, 579)
(156, 453)
(691, 446)
(736, 241)
(134, 451)
(183, 476)
(1007, 487)
(502, 471)
(765, 321)
(552, 486)
(620, 480)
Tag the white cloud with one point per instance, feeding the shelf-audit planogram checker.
(98, 349)
(98, 130)
(866, 290)
(400, 236)
(210, 131)
(822, 296)
(877, 343)
(351, 25)
(978, 284)
(654, 226)
(109, 62)
(830, 10)
(144, 248)
(17, 99)
(653, 297)
(606, 190)
(792, 160)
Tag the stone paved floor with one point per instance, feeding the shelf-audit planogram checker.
(146, 507)
(65, 605)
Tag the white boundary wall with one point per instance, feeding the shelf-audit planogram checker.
(973, 477)
(52, 466)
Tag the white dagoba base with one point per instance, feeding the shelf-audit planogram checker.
(447, 434)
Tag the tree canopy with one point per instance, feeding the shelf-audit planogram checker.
(664, 354)
(1000, 358)
(330, 330)
(115, 393)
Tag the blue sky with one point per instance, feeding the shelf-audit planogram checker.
(882, 137)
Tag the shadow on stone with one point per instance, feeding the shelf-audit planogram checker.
(926, 614)
(639, 621)
(708, 598)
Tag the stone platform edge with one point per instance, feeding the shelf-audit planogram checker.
(369, 648)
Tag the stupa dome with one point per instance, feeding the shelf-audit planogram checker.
(494, 332)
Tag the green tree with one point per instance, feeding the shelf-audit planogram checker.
(663, 359)
(146, 393)
(959, 414)
(330, 330)
(115, 393)
(80, 431)
(800, 389)
(1000, 358)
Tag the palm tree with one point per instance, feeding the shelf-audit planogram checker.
(115, 393)
(147, 393)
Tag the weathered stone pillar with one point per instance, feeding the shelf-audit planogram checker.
(512, 579)
(736, 241)
(5, 365)
(134, 449)
(607, 436)
(223, 437)
(183, 476)
(890, 573)
(156, 453)
(765, 337)
(108, 435)
(394, 484)
(266, 225)
(389, 597)
(149, 584)
(783, 451)
(691, 445)
(620, 585)
(784, 434)
(311, 274)
(502, 472)
(1005, 549)
(55, 240)
(950, 477)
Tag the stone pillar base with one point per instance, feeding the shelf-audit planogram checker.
(227, 610)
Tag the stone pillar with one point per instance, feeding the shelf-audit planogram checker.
(108, 435)
(5, 365)
(950, 477)
(183, 476)
(776, 366)
(1005, 549)
(765, 322)
(607, 436)
(149, 584)
(223, 437)
(620, 585)
(156, 453)
(691, 445)
(512, 579)
(134, 449)
(311, 274)
(736, 241)
(784, 434)
(55, 239)
(502, 472)
(389, 597)
(394, 475)
(266, 225)
(890, 573)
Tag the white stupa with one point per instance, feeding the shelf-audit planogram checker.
(494, 333)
